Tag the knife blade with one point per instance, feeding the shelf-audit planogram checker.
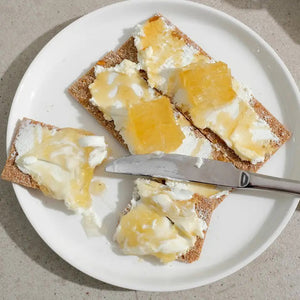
(187, 168)
(179, 167)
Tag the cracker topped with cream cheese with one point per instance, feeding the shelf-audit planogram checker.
(60, 162)
(203, 89)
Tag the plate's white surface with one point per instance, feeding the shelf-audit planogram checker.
(243, 226)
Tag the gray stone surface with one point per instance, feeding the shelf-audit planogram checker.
(28, 268)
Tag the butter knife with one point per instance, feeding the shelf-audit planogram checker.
(187, 168)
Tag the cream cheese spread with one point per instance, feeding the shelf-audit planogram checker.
(62, 162)
(160, 222)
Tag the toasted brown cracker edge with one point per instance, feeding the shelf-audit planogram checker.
(11, 172)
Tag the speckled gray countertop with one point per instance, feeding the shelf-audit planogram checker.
(29, 269)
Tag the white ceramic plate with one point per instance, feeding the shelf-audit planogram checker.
(243, 226)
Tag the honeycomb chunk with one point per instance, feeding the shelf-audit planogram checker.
(208, 87)
(152, 127)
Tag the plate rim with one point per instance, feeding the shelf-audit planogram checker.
(18, 189)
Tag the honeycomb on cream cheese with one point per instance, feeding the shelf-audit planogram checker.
(161, 51)
(159, 223)
(146, 120)
(152, 127)
(143, 117)
(203, 89)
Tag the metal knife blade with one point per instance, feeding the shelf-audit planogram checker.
(180, 167)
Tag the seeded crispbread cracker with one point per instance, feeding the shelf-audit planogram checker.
(11, 172)
(204, 208)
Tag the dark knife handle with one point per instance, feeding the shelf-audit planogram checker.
(264, 182)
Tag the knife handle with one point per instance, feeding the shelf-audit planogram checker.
(259, 181)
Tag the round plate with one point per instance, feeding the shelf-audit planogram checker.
(242, 227)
